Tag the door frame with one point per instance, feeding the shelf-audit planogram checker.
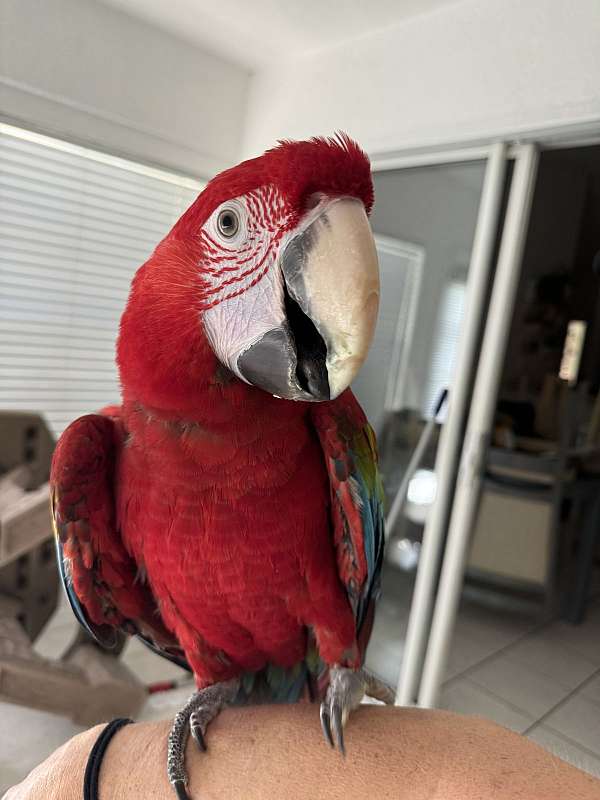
(422, 652)
(579, 133)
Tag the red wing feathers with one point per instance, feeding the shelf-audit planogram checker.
(100, 577)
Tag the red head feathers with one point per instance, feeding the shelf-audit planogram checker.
(234, 276)
(334, 166)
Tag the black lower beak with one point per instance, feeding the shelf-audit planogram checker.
(311, 351)
(267, 364)
(290, 360)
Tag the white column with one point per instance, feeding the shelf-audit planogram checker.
(480, 420)
(450, 437)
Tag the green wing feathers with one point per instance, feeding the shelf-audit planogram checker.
(350, 452)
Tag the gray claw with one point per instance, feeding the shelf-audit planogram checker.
(338, 727)
(197, 732)
(346, 690)
(326, 724)
(180, 790)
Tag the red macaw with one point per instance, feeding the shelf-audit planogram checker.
(229, 512)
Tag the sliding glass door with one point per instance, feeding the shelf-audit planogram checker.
(480, 419)
(425, 221)
(450, 238)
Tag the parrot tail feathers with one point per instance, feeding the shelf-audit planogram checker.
(275, 684)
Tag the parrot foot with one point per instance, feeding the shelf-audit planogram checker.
(347, 688)
(202, 707)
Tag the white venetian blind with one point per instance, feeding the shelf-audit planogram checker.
(445, 344)
(74, 226)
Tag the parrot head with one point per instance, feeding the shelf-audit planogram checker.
(274, 267)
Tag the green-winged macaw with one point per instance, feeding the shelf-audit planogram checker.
(229, 511)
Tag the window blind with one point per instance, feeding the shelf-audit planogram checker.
(445, 344)
(74, 226)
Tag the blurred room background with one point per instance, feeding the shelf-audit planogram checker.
(482, 121)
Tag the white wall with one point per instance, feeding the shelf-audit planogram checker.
(467, 70)
(471, 69)
(89, 73)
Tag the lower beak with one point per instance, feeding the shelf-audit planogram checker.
(331, 300)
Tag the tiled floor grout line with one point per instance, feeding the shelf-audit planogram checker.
(507, 647)
(568, 740)
(560, 703)
(494, 696)
(501, 650)
(505, 650)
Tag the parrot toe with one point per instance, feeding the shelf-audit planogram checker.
(347, 688)
(180, 790)
(331, 722)
(202, 707)
(379, 690)
(198, 724)
(326, 724)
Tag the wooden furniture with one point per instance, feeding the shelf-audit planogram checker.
(86, 684)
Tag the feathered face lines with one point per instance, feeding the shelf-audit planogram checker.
(240, 242)
(274, 307)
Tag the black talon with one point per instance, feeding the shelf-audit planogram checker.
(338, 728)
(325, 724)
(181, 791)
(199, 738)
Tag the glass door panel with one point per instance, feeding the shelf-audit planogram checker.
(424, 221)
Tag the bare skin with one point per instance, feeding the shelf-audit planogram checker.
(274, 752)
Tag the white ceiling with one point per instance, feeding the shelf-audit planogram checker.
(257, 32)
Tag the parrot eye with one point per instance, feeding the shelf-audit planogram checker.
(228, 223)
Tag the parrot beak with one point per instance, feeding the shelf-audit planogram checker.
(331, 298)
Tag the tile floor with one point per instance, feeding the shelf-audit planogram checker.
(540, 680)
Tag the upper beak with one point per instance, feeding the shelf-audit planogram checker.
(331, 300)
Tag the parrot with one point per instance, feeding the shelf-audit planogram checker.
(229, 512)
